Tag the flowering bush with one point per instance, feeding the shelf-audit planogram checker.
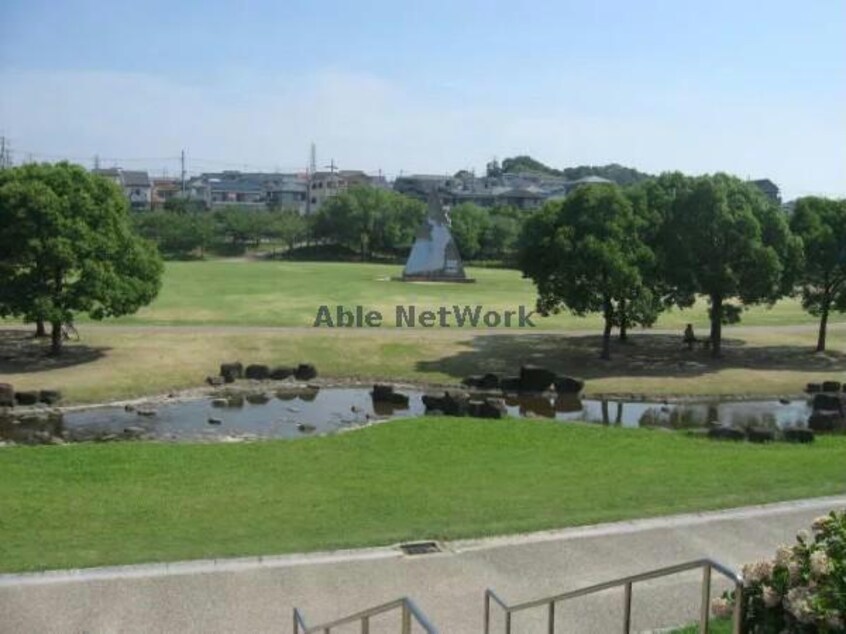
(802, 590)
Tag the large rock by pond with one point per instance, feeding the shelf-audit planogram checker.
(535, 378)
(760, 434)
(49, 397)
(450, 403)
(305, 372)
(257, 372)
(488, 408)
(813, 388)
(7, 395)
(489, 381)
(26, 397)
(383, 393)
(826, 421)
(798, 434)
(829, 403)
(831, 386)
(231, 371)
(280, 372)
(568, 385)
(724, 432)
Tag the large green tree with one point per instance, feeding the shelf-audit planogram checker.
(723, 239)
(821, 223)
(67, 246)
(369, 220)
(585, 254)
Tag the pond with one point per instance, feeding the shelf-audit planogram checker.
(297, 412)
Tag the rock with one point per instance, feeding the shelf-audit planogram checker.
(147, 412)
(215, 421)
(305, 372)
(784, 401)
(219, 402)
(760, 434)
(826, 421)
(510, 384)
(434, 401)
(27, 397)
(493, 408)
(306, 428)
(279, 372)
(128, 408)
(489, 381)
(813, 388)
(385, 394)
(831, 386)
(451, 403)
(50, 397)
(7, 395)
(106, 438)
(257, 372)
(829, 403)
(231, 371)
(235, 400)
(215, 381)
(56, 440)
(567, 403)
(568, 385)
(725, 433)
(257, 398)
(535, 379)
(474, 380)
(798, 434)
(134, 431)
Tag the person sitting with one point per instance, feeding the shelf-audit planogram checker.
(689, 337)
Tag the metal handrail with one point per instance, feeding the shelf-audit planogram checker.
(408, 608)
(707, 565)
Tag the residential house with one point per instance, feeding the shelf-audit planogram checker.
(136, 185)
(769, 189)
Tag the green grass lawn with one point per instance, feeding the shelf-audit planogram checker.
(243, 292)
(92, 505)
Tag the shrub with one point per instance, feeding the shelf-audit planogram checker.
(802, 590)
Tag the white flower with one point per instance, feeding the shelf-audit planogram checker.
(798, 605)
(794, 569)
(783, 555)
(758, 571)
(721, 608)
(820, 523)
(770, 596)
(820, 564)
(803, 535)
(834, 621)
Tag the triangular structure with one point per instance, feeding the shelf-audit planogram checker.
(434, 256)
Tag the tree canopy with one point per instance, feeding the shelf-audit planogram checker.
(821, 224)
(68, 247)
(723, 239)
(585, 255)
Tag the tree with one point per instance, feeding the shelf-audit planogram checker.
(68, 247)
(585, 254)
(369, 220)
(469, 224)
(724, 239)
(821, 224)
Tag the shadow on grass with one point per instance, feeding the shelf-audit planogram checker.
(21, 352)
(645, 354)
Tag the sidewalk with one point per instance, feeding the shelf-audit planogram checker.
(258, 595)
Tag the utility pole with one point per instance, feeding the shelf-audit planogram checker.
(96, 161)
(312, 169)
(5, 160)
(182, 178)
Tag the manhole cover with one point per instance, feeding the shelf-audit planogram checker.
(420, 548)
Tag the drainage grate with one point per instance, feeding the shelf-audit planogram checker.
(420, 548)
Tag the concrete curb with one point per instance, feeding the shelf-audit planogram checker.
(237, 564)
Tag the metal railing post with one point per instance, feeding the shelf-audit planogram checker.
(365, 625)
(627, 608)
(551, 624)
(406, 618)
(508, 622)
(738, 627)
(704, 609)
(296, 623)
(487, 612)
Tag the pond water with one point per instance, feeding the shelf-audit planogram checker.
(296, 413)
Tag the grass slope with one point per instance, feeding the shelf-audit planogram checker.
(418, 478)
(289, 294)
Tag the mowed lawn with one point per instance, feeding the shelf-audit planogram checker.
(441, 478)
(243, 292)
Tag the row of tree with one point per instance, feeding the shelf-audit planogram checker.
(629, 254)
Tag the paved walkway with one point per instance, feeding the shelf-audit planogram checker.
(258, 595)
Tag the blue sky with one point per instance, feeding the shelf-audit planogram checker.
(753, 88)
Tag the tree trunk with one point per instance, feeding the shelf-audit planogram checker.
(606, 335)
(823, 325)
(624, 335)
(40, 331)
(56, 339)
(716, 325)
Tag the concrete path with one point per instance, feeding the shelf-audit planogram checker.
(258, 595)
